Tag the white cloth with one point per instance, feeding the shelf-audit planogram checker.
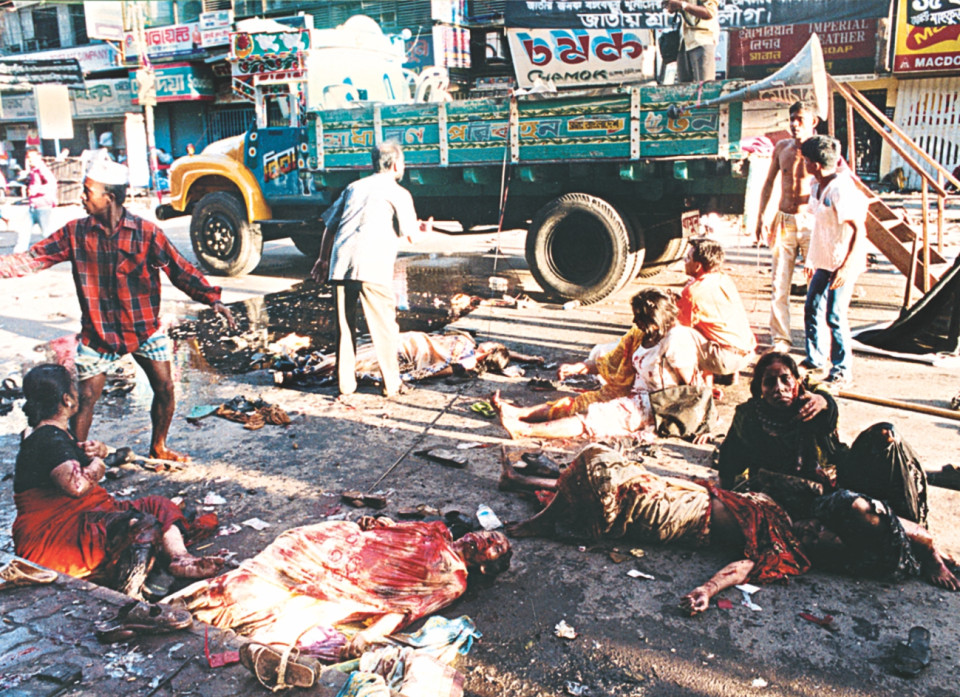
(369, 218)
(841, 202)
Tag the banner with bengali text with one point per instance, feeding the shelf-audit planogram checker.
(925, 49)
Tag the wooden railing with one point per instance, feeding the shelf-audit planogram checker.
(903, 145)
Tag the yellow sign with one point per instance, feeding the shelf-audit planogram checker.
(925, 49)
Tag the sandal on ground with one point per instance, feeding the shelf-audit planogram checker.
(913, 656)
(276, 669)
(137, 617)
(20, 572)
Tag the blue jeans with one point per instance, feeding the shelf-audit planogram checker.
(42, 217)
(830, 305)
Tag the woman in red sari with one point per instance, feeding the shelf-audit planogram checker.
(67, 522)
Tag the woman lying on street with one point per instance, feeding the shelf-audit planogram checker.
(67, 522)
(336, 572)
(784, 438)
(603, 494)
(656, 353)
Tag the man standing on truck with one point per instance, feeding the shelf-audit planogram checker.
(357, 255)
(697, 61)
(116, 259)
(789, 235)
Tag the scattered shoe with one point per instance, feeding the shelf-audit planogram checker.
(137, 617)
(913, 656)
(20, 572)
(838, 382)
(277, 669)
(810, 367)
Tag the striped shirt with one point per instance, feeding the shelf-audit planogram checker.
(117, 276)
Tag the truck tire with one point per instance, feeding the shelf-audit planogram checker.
(638, 241)
(664, 248)
(225, 243)
(309, 245)
(578, 248)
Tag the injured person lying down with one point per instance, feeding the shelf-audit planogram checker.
(606, 495)
(323, 576)
(421, 356)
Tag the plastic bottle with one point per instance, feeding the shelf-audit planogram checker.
(488, 519)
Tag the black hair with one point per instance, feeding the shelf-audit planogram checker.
(766, 360)
(823, 150)
(44, 387)
(654, 306)
(385, 154)
(118, 191)
(706, 252)
(797, 107)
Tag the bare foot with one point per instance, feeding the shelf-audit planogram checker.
(531, 528)
(162, 452)
(189, 566)
(939, 575)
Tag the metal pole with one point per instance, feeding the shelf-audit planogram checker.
(144, 61)
(896, 404)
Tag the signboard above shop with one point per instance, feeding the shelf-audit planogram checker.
(849, 47)
(179, 82)
(26, 73)
(582, 57)
(170, 40)
(931, 47)
(215, 28)
(648, 14)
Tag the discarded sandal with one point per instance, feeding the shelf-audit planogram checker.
(538, 464)
(20, 572)
(137, 617)
(276, 669)
(913, 656)
(485, 409)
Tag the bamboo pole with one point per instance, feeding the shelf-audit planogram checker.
(912, 275)
(940, 203)
(925, 198)
(897, 404)
(851, 140)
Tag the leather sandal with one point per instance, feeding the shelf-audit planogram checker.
(137, 617)
(20, 572)
(276, 669)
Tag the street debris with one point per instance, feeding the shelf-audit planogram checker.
(358, 499)
(634, 573)
(253, 415)
(445, 456)
(487, 518)
(747, 590)
(231, 529)
(759, 683)
(576, 689)
(564, 630)
(912, 656)
(256, 524)
(827, 621)
(484, 408)
(724, 604)
(212, 499)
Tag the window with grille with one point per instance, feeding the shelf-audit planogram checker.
(46, 28)
(78, 25)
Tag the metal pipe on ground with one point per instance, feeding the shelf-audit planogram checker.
(897, 404)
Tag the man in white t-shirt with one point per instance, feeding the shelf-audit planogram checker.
(836, 257)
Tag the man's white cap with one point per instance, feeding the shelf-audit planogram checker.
(106, 171)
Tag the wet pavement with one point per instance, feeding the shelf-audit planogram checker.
(631, 638)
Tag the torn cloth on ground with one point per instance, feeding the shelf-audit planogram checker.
(259, 417)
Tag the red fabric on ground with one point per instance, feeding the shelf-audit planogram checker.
(57, 531)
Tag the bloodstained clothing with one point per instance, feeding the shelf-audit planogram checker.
(711, 305)
(117, 276)
(80, 536)
(613, 497)
(331, 573)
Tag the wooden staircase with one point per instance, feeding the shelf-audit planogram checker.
(899, 242)
(908, 250)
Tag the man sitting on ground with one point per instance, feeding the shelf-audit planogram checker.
(711, 304)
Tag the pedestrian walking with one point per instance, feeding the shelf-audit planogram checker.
(837, 256)
(789, 235)
(41, 198)
(357, 254)
(117, 258)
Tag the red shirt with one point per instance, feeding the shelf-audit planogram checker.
(117, 276)
(711, 304)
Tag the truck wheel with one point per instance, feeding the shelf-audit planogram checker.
(664, 248)
(638, 241)
(578, 248)
(225, 243)
(309, 245)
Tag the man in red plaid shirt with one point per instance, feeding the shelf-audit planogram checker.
(117, 258)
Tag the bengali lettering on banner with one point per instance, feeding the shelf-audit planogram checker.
(649, 14)
(581, 57)
(849, 47)
(179, 82)
(170, 40)
(110, 97)
(925, 49)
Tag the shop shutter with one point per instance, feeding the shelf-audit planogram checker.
(928, 111)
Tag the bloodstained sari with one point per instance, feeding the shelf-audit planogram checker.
(332, 573)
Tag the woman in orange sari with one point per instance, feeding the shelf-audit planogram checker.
(67, 522)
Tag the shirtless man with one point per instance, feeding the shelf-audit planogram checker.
(789, 236)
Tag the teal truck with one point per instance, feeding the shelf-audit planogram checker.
(608, 182)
